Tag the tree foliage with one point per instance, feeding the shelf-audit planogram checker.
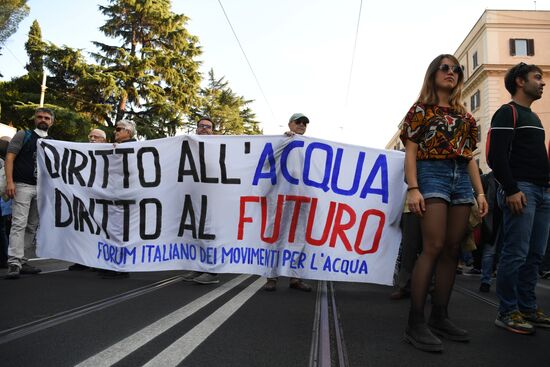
(35, 48)
(148, 74)
(12, 13)
(68, 71)
(229, 112)
(153, 65)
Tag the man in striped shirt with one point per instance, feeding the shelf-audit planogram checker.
(521, 166)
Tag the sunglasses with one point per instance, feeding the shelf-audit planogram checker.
(117, 129)
(445, 68)
(204, 126)
(301, 122)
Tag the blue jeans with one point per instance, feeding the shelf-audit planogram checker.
(523, 246)
(487, 261)
(545, 266)
(488, 257)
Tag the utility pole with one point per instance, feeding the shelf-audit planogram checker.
(43, 89)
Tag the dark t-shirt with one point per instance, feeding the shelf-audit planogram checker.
(24, 165)
(518, 154)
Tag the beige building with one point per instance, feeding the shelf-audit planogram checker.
(499, 40)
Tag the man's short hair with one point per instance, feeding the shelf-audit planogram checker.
(207, 119)
(101, 132)
(45, 110)
(128, 125)
(518, 71)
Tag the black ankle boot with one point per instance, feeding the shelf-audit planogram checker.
(441, 325)
(422, 338)
(419, 334)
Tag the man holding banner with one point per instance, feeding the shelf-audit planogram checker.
(21, 186)
(95, 136)
(297, 125)
(205, 126)
(125, 132)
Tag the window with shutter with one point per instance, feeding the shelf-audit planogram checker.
(522, 47)
(530, 47)
(475, 101)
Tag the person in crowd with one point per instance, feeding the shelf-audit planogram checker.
(4, 240)
(21, 186)
(490, 232)
(5, 226)
(125, 132)
(205, 126)
(411, 246)
(477, 254)
(439, 137)
(95, 136)
(519, 160)
(545, 266)
(297, 125)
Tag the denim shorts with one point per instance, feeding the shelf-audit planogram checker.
(447, 179)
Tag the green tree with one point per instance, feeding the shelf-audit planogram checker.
(72, 90)
(229, 112)
(151, 74)
(12, 13)
(35, 48)
(74, 82)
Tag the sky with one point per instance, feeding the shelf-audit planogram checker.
(301, 52)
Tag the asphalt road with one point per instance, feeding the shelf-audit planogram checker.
(62, 318)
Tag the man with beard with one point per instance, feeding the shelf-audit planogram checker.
(519, 160)
(21, 186)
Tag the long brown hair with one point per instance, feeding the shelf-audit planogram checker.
(428, 93)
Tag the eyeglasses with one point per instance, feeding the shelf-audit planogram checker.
(117, 129)
(446, 67)
(204, 126)
(301, 122)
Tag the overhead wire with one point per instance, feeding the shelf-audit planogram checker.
(353, 53)
(247, 60)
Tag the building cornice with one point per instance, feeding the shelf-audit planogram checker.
(393, 140)
(485, 22)
(486, 70)
(483, 71)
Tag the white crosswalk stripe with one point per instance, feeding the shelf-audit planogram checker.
(118, 351)
(181, 348)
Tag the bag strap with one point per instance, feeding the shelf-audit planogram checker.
(514, 114)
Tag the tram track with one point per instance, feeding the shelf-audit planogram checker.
(328, 347)
(475, 295)
(20, 331)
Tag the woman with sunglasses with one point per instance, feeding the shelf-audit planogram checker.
(440, 138)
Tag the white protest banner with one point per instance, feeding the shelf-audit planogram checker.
(266, 205)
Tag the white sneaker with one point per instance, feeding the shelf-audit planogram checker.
(206, 278)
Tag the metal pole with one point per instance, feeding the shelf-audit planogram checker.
(43, 89)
